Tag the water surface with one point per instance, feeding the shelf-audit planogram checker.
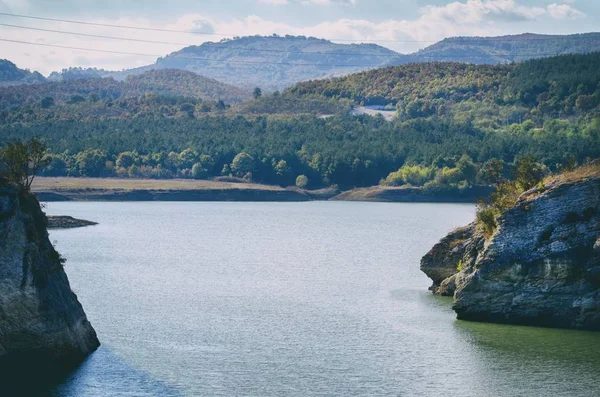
(292, 299)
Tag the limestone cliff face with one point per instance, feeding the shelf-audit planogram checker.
(541, 266)
(41, 320)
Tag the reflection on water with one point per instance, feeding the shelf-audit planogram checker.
(553, 361)
(295, 299)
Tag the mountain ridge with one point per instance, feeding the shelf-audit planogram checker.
(278, 62)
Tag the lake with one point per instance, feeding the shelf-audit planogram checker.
(292, 299)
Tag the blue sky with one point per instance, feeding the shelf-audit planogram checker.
(403, 25)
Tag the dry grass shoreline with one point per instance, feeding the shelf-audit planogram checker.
(115, 189)
(65, 183)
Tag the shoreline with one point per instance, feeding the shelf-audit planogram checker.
(109, 189)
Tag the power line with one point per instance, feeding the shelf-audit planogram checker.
(90, 35)
(393, 55)
(251, 62)
(106, 25)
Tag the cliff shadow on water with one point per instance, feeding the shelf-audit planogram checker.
(44, 332)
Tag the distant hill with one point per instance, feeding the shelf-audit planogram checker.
(166, 82)
(504, 49)
(78, 73)
(10, 74)
(555, 87)
(273, 62)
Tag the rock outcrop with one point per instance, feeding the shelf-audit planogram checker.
(540, 267)
(67, 222)
(41, 320)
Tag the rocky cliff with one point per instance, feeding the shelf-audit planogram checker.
(41, 320)
(540, 267)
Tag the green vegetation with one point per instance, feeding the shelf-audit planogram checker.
(21, 161)
(302, 181)
(528, 174)
(470, 125)
(10, 74)
(488, 97)
(156, 83)
(344, 150)
(415, 175)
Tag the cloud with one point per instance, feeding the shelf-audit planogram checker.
(476, 11)
(308, 2)
(564, 11)
(274, 2)
(328, 2)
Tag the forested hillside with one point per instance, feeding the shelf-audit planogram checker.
(483, 94)
(10, 74)
(460, 125)
(161, 82)
(349, 151)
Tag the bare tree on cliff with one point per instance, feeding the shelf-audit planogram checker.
(23, 160)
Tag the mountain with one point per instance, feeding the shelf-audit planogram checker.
(10, 74)
(504, 49)
(166, 82)
(273, 62)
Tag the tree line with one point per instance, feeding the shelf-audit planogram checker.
(344, 150)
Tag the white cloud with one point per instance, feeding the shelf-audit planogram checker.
(564, 11)
(274, 2)
(308, 2)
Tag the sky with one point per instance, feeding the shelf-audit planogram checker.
(402, 25)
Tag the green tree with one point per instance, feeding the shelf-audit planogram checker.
(302, 181)
(126, 159)
(23, 160)
(492, 172)
(47, 102)
(467, 169)
(91, 162)
(242, 164)
(208, 163)
(187, 158)
(226, 170)
(529, 173)
(257, 93)
(199, 172)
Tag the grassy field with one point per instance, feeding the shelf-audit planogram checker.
(45, 184)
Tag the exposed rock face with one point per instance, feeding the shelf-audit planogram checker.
(541, 266)
(456, 251)
(41, 320)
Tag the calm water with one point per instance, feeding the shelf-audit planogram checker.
(292, 299)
